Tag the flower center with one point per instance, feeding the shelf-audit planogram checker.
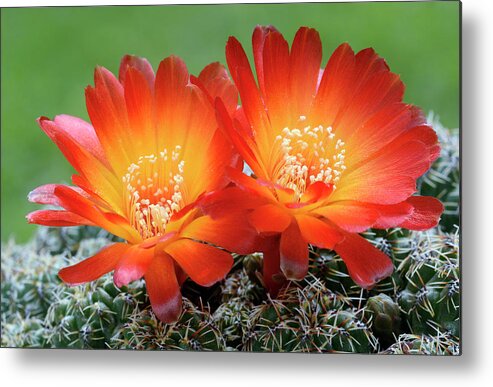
(309, 154)
(153, 191)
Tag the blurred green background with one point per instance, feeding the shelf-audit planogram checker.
(48, 57)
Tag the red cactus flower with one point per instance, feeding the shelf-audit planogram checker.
(334, 152)
(152, 151)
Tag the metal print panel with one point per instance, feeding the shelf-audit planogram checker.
(268, 178)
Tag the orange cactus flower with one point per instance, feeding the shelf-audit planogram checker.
(334, 152)
(152, 151)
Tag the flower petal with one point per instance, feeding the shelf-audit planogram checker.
(350, 215)
(305, 59)
(230, 232)
(76, 203)
(258, 40)
(215, 80)
(366, 264)
(294, 253)
(204, 264)
(140, 64)
(392, 215)
(132, 265)
(57, 218)
(94, 267)
(317, 232)
(163, 289)
(269, 218)
(426, 214)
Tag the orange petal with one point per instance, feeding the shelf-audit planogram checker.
(317, 232)
(57, 218)
(231, 200)
(276, 80)
(74, 202)
(426, 213)
(94, 267)
(269, 218)
(380, 129)
(350, 215)
(294, 253)
(139, 104)
(101, 179)
(204, 264)
(163, 289)
(388, 178)
(231, 232)
(305, 60)
(132, 265)
(106, 108)
(336, 84)
(366, 264)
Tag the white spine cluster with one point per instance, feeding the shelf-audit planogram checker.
(154, 191)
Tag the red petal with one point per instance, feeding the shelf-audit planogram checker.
(294, 253)
(163, 289)
(305, 60)
(270, 218)
(230, 232)
(216, 81)
(350, 215)
(243, 144)
(380, 129)
(139, 104)
(133, 265)
(336, 84)
(56, 218)
(258, 40)
(140, 64)
(389, 178)
(392, 215)
(204, 264)
(94, 267)
(366, 264)
(276, 79)
(426, 214)
(317, 232)
(317, 191)
(230, 200)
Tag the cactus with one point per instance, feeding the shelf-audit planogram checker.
(309, 319)
(431, 296)
(195, 330)
(386, 317)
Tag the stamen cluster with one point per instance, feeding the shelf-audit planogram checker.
(154, 191)
(309, 154)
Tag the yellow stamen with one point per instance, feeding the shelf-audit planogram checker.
(309, 154)
(153, 190)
